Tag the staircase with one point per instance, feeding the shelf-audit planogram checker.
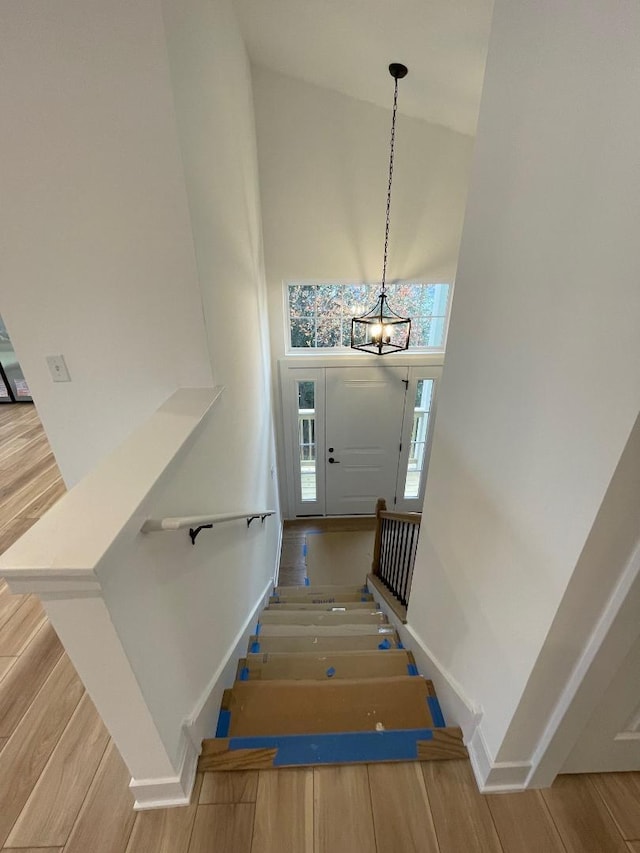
(326, 680)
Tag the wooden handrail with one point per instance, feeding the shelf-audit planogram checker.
(196, 523)
(381, 507)
(409, 517)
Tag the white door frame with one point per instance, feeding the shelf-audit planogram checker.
(297, 368)
(415, 374)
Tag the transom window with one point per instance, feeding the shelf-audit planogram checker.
(319, 315)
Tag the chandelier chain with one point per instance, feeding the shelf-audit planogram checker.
(391, 155)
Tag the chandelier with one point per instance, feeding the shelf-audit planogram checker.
(381, 331)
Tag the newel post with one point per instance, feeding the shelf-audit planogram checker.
(381, 506)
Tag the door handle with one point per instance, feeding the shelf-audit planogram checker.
(333, 461)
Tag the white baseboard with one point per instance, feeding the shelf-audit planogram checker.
(276, 571)
(176, 790)
(171, 790)
(495, 776)
(202, 721)
(457, 708)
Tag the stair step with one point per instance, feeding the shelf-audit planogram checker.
(322, 617)
(322, 605)
(320, 597)
(345, 630)
(314, 707)
(268, 752)
(317, 591)
(324, 643)
(295, 666)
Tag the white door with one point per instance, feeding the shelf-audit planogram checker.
(363, 432)
(611, 739)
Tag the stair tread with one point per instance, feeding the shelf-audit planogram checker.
(307, 591)
(345, 630)
(336, 664)
(275, 751)
(316, 643)
(283, 606)
(310, 707)
(322, 617)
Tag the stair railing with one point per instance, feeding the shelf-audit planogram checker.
(394, 554)
(196, 523)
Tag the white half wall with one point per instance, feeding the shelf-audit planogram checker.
(323, 160)
(541, 386)
(96, 253)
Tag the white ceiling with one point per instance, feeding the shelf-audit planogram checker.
(346, 45)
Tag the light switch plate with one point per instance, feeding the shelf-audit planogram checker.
(58, 368)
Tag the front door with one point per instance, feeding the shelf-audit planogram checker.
(363, 432)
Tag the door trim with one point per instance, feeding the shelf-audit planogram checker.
(292, 369)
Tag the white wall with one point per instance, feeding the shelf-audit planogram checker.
(178, 607)
(232, 463)
(147, 273)
(541, 385)
(96, 253)
(323, 160)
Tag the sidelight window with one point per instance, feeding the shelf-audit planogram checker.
(307, 441)
(419, 434)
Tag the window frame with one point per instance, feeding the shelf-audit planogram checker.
(314, 352)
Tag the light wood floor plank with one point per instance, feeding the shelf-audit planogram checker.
(223, 828)
(50, 812)
(284, 812)
(634, 846)
(468, 827)
(343, 822)
(165, 830)
(621, 795)
(11, 532)
(5, 665)
(524, 823)
(9, 603)
(46, 475)
(19, 688)
(21, 627)
(106, 818)
(32, 850)
(29, 747)
(401, 815)
(581, 817)
(234, 787)
(44, 501)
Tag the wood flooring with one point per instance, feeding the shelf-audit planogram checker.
(64, 787)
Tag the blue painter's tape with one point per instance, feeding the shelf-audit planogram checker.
(258, 629)
(412, 669)
(365, 588)
(331, 672)
(307, 582)
(385, 644)
(244, 673)
(340, 748)
(224, 721)
(400, 646)
(304, 549)
(436, 712)
(255, 648)
(364, 598)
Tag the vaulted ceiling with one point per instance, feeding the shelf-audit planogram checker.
(346, 45)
